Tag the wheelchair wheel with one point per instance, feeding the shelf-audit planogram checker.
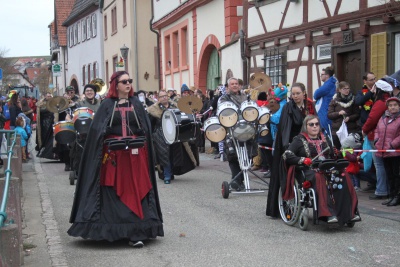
(72, 177)
(225, 189)
(303, 220)
(290, 209)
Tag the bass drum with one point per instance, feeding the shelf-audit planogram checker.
(178, 126)
(243, 131)
(213, 130)
(64, 132)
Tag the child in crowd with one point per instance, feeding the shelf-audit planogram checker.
(19, 128)
(352, 141)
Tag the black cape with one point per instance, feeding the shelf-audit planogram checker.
(92, 215)
(289, 126)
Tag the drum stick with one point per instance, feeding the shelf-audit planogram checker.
(211, 108)
(322, 152)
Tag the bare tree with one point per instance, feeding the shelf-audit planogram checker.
(42, 80)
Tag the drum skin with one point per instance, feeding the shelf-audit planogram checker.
(227, 113)
(264, 115)
(178, 126)
(249, 111)
(64, 132)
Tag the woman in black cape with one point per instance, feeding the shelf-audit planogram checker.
(116, 195)
(291, 120)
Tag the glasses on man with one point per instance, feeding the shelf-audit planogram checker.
(70, 92)
(313, 124)
(126, 81)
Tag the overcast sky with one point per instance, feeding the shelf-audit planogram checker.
(24, 27)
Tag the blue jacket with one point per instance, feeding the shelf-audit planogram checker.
(24, 136)
(324, 96)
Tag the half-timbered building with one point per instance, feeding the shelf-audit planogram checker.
(292, 40)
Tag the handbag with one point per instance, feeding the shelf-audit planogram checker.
(342, 132)
(367, 156)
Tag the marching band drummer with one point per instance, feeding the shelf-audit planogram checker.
(183, 158)
(236, 97)
(92, 103)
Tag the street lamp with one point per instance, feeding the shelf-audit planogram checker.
(124, 52)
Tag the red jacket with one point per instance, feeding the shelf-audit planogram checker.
(378, 109)
(387, 135)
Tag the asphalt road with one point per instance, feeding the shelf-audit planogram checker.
(201, 228)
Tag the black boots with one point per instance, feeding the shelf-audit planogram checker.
(395, 201)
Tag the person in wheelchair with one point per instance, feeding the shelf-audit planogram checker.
(337, 199)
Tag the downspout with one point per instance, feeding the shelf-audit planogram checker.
(243, 55)
(158, 46)
(136, 47)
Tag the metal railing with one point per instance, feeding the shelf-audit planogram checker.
(11, 137)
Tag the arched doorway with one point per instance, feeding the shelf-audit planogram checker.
(207, 75)
(74, 83)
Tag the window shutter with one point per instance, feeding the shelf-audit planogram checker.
(378, 54)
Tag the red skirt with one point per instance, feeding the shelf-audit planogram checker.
(127, 171)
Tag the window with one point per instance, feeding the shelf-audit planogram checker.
(79, 32)
(105, 27)
(324, 51)
(89, 28)
(89, 73)
(115, 62)
(167, 53)
(76, 34)
(397, 51)
(94, 25)
(71, 37)
(184, 47)
(83, 75)
(124, 13)
(175, 50)
(275, 66)
(113, 20)
(83, 30)
(107, 73)
(95, 70)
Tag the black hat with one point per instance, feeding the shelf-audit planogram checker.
(70, 88)
(94, 87)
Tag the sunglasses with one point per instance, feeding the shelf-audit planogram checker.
(312, 124)
(126, 81)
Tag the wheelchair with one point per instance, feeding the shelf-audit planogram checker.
(297, 209)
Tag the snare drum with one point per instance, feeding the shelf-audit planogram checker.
(243, 131)
(263, 115)
(64, 132)
(83, 119)
(249, 111)
(178, 126)
(214, 131)
(263, 130)
(227, 114)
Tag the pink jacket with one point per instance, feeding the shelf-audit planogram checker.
(387, 135)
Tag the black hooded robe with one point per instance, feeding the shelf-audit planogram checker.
(97, 212)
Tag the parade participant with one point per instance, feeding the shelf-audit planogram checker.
(142, 98)
(290, 123)
(90, 101)
(44, 129)
(343, 108)
(172, 94)
(387, 136)
(323, 96)
(200, 138)
(334, 205)
(14, 105)
(116, 195)
(175, 159)
(70, 90)
(381, 91)
(236, 97)
(364, 97)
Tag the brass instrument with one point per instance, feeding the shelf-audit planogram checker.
(100, 85)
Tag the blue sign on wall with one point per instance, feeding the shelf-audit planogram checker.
(1, 74)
